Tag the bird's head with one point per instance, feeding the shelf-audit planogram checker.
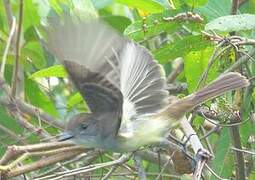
(81, 129)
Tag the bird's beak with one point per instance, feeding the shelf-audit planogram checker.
(65, 136)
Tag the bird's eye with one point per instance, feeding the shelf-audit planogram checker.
(84, 126)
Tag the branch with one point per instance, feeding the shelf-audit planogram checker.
(243, 59)
(8, 44)
(17, 53)
(25, 107)
(9, 13)
(236, 140)
(178, 66)
(139, 167)
(202, 155)
(235, 5)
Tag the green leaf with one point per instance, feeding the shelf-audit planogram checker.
(222, 162)
(155, 24)
(12, 125)
(53, 71)
(74, 100)
(31, 17)
(232, 23)
(180, 48)
(195, 3)
(120, 23)
(56, 5)
(34, 52)
(215, 8)
(38, 97)
(194, 65)
(149, 6)
(150, 27)
(247, 7)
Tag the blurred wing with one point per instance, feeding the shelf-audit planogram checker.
(89, 51)
(143, 86)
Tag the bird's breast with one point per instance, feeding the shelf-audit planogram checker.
(145, 131)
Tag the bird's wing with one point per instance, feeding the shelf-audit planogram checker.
(110, 72)
(143, 86)
(89, 51)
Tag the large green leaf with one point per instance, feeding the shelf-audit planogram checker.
(53, 71)
(247, 7)
(195, 3)
(180, 48)
(150, 27)
(31, 16)
(74, 99)
(215, 8)
(195, 64)
(36, 96)
(118, 22)
(232, 23)
(34, 52)
(149, 6)
(222, 162)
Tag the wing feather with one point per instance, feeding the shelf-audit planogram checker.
(99, 60)
(143, 86)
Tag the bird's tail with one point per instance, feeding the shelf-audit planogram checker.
(226, 82)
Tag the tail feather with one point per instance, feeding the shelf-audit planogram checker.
(226, 82)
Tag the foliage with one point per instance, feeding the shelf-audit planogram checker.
(196, 37)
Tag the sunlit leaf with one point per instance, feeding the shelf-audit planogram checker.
(31, 16)
(149, 6)
(195, 3)
(53, 71)
(194, 65)
(74, 99)
(118, 22)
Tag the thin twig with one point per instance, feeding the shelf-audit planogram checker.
(235, 5)
(12, 134)
(9, 13)
(178, 66)
(86, 169)
(17, 53)
(42, 163)
(242, 60)
(189, 132)
(8, 44)
(236, 141)
(216, 175)
(243, 151)
(139, 167)
(109, 173)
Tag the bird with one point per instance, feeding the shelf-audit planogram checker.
(123, 85)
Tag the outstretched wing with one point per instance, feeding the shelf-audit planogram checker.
(110, 72)
(89, 51)
(143, 86)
